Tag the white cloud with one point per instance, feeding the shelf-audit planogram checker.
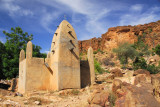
(46, 52)
(2, 39)
(147, 16)
(137, 7)
(13, 8)
(88, 16)
(47, 19)
(92, 14)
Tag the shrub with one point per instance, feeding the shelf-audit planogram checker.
(157, 50)
(139, 63)
(95, 52)
(150, 30)
(108, 62)
(125, 51)
(97, 67)
(153, 69)
(80, 57)
(112, 98)
(99, 50)
(75, 92)
(81, 54)
(142, 48)
(112, 55)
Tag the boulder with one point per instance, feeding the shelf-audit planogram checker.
(155, 80)
(141, 71)
(110, 77)
(133, 96)
(154, 60)
(116, 72)
(98, 98)
(119, 93)
(142, 78)
(116, 85)
(94, 105)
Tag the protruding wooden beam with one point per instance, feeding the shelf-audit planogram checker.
(56, 34)
(46, 64)
(68, 25)
(72, 43)
(70, 32)
(53, 51)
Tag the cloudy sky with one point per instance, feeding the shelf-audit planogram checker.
(90, 18)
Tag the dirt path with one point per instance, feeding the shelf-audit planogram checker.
(64, 98)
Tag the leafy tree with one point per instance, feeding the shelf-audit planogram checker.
(153, 69)
(2, 52)
(37, 53)
(15, 41)
(124, 52)
(139, 63)
(157, 49)
(141, 47)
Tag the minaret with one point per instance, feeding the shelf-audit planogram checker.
(22, 55)
(64, 56)
(29, 50)
(91, 64)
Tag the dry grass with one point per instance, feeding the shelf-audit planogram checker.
(42, 101)
(112, 98)
(69, 92)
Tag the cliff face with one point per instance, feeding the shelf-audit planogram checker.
(117, 35)
(95, 43)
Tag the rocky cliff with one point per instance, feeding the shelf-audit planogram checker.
(116, 35)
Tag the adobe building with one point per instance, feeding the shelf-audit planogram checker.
(62, 69)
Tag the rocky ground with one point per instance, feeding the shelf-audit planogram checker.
(118, 88)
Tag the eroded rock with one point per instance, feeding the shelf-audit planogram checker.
(99, 98)
(117, 84)
(133, 96)
(141, 71)
(116, 72)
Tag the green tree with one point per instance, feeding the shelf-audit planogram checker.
(157, 49)
(15, 41)
(37, 53)
(141, 47)
(2, 52)
(139, 63)
(124, 52)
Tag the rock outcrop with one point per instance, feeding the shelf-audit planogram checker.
(116, 72)
(117, 35)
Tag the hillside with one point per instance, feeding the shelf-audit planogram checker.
(116, 35)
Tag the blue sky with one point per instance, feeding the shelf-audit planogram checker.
(90, 18)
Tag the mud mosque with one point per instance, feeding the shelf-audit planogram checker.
(62, 69)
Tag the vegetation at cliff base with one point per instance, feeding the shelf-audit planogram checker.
(157, 49)
(124, 52)
(98, 68)
(138, 53)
